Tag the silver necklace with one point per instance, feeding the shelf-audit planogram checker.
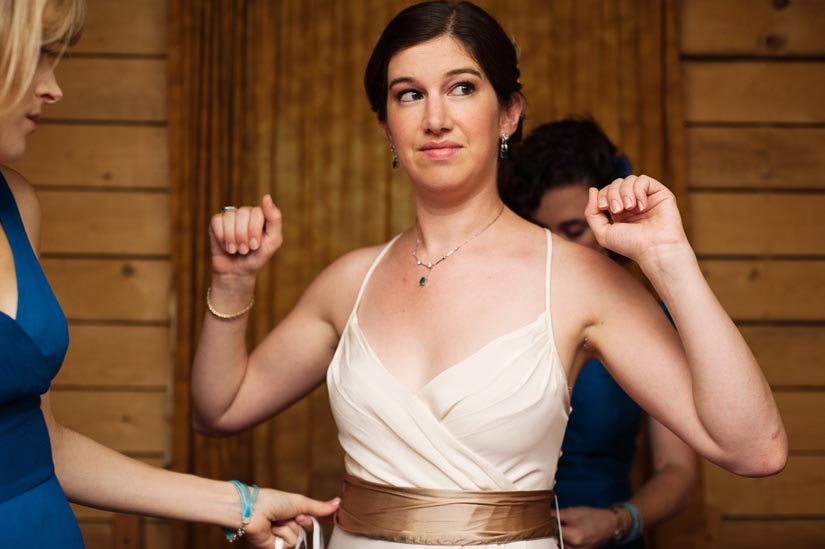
(430, 265)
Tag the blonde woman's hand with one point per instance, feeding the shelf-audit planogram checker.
(645, 218)
(280, 514)
(243, 239)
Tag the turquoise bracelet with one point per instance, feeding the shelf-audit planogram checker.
(637, 526)
(247, 503)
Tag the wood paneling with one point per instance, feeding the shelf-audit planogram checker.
(798, 490)
(137, 356)
(802, 415)
(768, 290)
(789, 355)
(90, 514)
(127, 532)
(754, 91)
(131, 27)
(757, 223)
(99, 156)
(105, 222)
(111, 89)
(158, 534)
(754, 131)
(784, 158)
(125, 421)
(111, 289)
(98, 533)
(100, 159)
(753, 27)
(771, 534)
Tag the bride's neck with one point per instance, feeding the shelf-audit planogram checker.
(444, 226)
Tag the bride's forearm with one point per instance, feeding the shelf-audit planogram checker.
(221, 357)
(732, 396)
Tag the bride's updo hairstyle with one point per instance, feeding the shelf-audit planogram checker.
(471, 26)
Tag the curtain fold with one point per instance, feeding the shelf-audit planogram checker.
(267, 96)
(207, 52)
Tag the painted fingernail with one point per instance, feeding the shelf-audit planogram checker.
(628, 202)
(615, 206)
(253, 243)
(603, 203)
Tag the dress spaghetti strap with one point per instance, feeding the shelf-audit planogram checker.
(367, 276)
(547, 273)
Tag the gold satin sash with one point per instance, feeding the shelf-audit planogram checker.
(443, 517)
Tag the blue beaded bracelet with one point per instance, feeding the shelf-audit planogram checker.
(637, 526)
(247, 503)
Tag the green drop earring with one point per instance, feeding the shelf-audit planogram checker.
(503, 148)
(394, 157)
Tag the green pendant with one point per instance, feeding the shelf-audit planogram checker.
(422, 280)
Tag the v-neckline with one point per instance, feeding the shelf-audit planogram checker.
(355, 324)
(15, 274)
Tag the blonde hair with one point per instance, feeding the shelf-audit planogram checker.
(28, 27)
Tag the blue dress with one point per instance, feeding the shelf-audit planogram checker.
(599, 443)
(34, 511)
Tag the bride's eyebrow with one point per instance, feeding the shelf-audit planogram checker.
(468, 70)
(403, 80)
(453, 72)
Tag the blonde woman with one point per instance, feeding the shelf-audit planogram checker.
(44, 465)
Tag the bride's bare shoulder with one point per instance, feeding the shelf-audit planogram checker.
(336, 287)
(587, 280)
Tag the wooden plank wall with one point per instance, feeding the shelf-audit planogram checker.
(100, 163)
(754, 75)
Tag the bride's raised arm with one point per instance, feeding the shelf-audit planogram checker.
(702, 382)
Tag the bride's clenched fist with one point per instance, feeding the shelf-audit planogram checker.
(243, 239)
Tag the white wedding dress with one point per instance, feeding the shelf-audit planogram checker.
(493, 421)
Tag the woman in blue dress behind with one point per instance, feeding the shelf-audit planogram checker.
(553, 169)
(43, 465)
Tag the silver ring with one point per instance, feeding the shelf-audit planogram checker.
(228, 209)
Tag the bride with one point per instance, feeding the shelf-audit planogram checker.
(450, 351)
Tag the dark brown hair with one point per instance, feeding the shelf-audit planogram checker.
(572, 151)
(474, 28)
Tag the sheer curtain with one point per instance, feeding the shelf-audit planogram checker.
(207, 81)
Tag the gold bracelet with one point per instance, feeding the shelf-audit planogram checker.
(224, 316)
(620, 531)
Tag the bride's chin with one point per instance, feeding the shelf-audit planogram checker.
(439, 178)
